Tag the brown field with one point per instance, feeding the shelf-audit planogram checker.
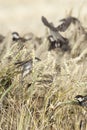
(44, 98)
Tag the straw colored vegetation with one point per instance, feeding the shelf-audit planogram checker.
(44, 98)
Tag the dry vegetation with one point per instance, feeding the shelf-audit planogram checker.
(44, 99)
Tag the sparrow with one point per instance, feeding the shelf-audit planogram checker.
(82, 100)
(16, 37)
(55, 38)
(26, 65)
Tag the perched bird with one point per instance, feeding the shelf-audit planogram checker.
(82, 100)
(55, 38)
(27, 66)
(16, 37)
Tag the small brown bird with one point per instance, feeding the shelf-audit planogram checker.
(26, 65)
(82, 100)
(16, 37)
(55, 38)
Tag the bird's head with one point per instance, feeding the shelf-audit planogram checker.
(79, 98)
(15, 36)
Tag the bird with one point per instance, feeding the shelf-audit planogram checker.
(55, 38)
(27, 65)
(16, 37)
(82, 100)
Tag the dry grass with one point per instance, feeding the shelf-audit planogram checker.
(44, 100)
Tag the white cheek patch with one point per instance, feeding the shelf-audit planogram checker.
(51, 39)
(80, 99)
(15, 36)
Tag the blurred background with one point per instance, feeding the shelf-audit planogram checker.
(25, 15)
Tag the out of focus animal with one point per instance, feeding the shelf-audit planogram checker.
(55, 38)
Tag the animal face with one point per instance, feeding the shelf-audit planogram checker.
(82, 100)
